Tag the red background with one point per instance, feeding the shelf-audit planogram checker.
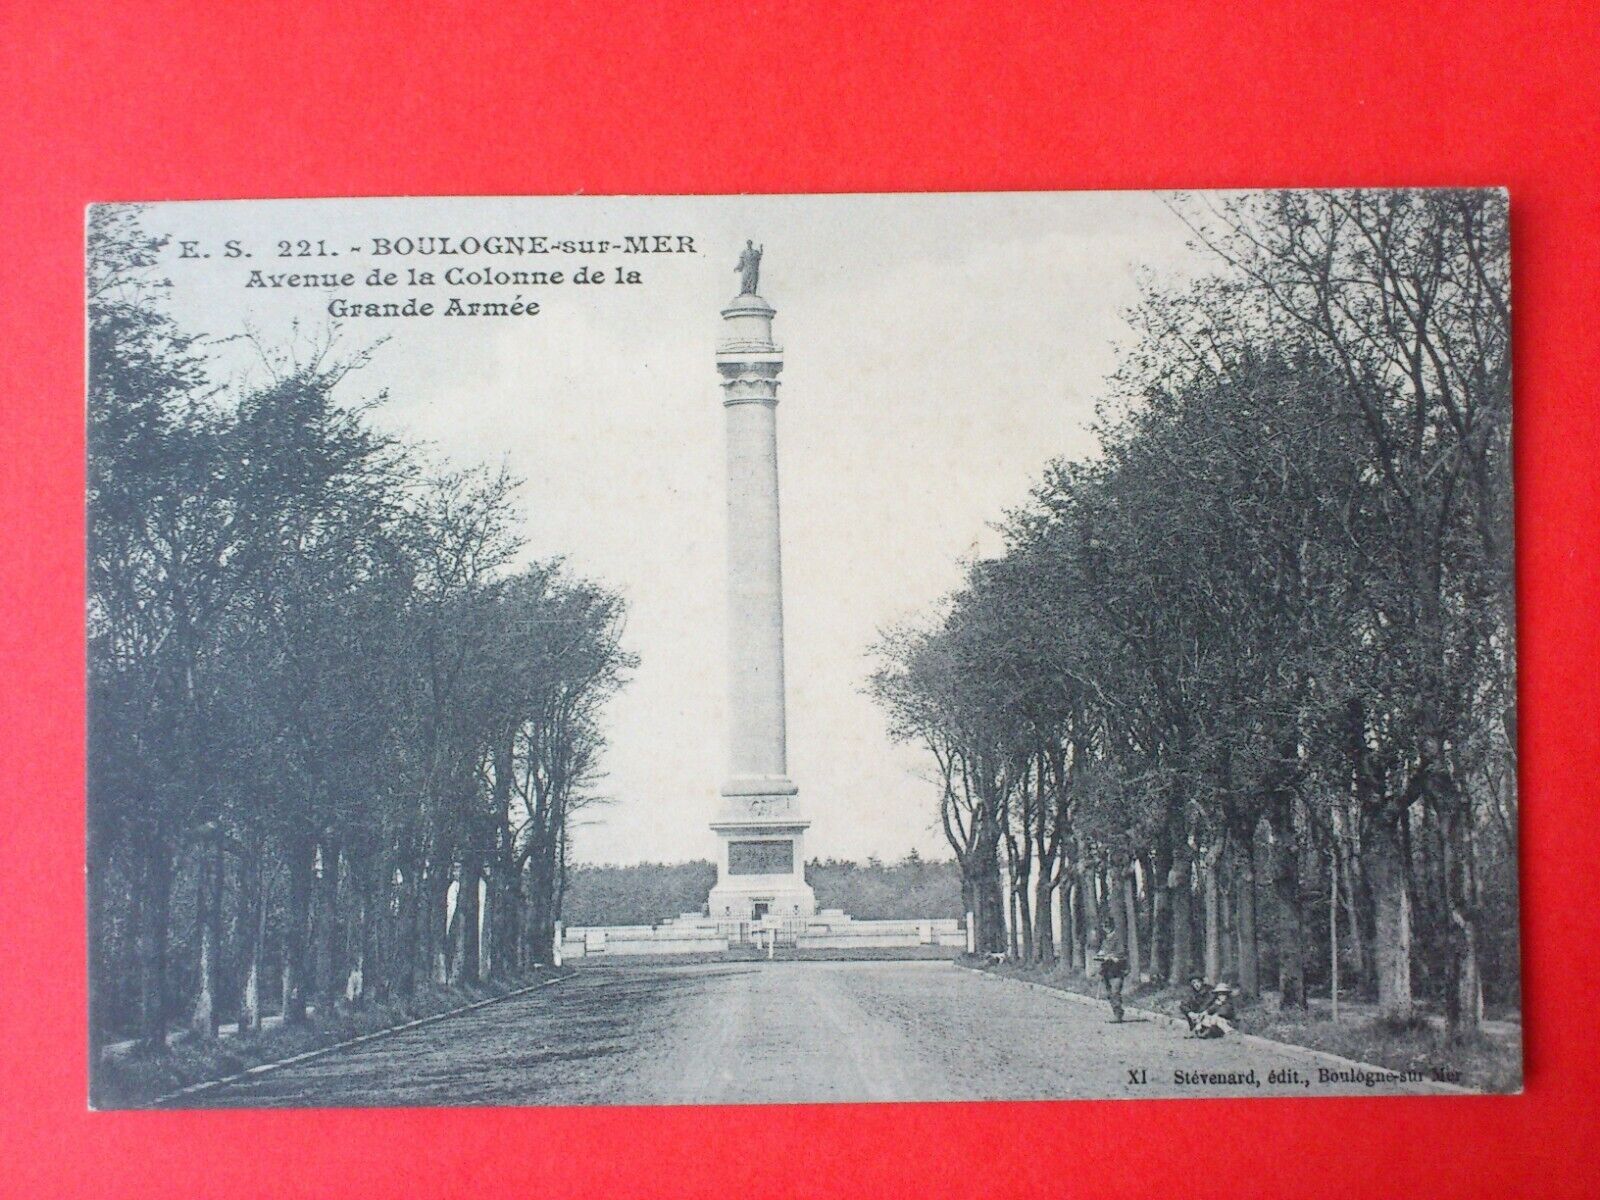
(134, 101)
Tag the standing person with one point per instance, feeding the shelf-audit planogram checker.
(1113, 960)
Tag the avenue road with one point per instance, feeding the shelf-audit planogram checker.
(778, 1032)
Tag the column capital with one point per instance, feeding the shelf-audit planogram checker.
(748, 380)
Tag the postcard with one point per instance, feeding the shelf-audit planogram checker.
(791, 649)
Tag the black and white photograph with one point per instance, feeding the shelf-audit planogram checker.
(671, 650)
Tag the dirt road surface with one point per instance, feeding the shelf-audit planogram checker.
(782, 1032)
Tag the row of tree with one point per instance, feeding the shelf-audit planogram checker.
(336, 732)
(1243, 680)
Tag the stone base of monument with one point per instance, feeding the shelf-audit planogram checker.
(704, 934)
(623, 940)
(762, 898)
(832, 930)
(760, 854)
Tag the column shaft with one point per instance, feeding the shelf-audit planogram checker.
(755, 594)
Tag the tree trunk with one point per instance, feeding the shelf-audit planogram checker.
(354, 967)
(1245, 915)
(1158, 910)
(1355, 951)
(1354, 948)
(1392, 917)
(535, 903)
(1011, 922)
(1130, 894)
(1071, 933)
(491, 914)
(157, 904)
(541, 897)
(1464, 987)
(1213, 906)
(453, 939)
(469, 911)
(991, 910)
(331, 977)
(511, 903)
(498, 895)
(1182, 921)
(1087, 887)
(1044, 941)
(969, 903)
(1290, 915)
(255, 930)
(377, 934)
(1116, 905)
(204, 1019)
(297, 937)
(102, 972)
(1022, 919)
(496, 917)
(437, 919)
(360, 977)
(131, 960)
(409, 951)
(433, 897)
(984, 891)
(561, 881)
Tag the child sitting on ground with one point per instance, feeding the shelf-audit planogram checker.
(1218, 1016)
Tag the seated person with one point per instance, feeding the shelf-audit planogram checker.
(1195, 1000)
(1219, 1014)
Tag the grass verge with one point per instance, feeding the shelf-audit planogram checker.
(1478, 1061)
(136, 1078)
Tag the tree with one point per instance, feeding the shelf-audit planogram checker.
(1406, 295)
(320, 681)
(163, 530)
(1269, 619)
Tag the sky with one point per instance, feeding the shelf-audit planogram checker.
(939, 352)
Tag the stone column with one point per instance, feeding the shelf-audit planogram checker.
(761, 850)
(749, 363)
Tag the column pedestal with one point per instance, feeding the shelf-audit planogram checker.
(761, 857)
